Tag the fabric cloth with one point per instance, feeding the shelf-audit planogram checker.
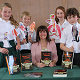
(6, 35)
(67, 38)
(6, 29)
(22, 36)
(76, 59)
(63, 26)
(59, 53)
(57, 41)
(72, 74)
(12, 51)
(36, 51)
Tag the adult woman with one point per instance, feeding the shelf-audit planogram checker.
(43, 43)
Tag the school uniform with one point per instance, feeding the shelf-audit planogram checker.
(22, 36)
(7, 40)
(57, 41)
(67, 39)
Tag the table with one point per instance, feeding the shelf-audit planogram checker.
(73, 74)
(2, 72)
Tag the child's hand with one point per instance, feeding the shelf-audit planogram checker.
(18, 47)
(24, 41)
(71, 49)
(29, 38)
(4, 51)
(53, 40)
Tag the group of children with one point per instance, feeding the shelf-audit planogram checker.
(70, 29)
(12, 36)
(17, 38)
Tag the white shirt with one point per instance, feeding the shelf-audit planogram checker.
(6, 29)
(67, 38)
(22, 36)
(64, 25)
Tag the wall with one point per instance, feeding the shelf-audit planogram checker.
(39, 9)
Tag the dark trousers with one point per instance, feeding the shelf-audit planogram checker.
(76, 60)
(59, 53)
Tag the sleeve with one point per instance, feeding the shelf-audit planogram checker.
(54, 51)
(21, 35)
(18, 31)
(63, 37)
(33, 52)
(34, 36)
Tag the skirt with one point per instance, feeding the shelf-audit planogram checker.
(12, 51)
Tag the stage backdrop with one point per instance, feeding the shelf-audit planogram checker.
(39, 9)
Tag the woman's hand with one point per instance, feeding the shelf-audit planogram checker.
(4, 51)
(40, 65)
(52, 64)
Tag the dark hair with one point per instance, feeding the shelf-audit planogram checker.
(71, 11)
(42, 28)
(63, 9)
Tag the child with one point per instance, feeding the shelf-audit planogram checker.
(62, 22)
(26, 43)
(7, 28)
(67, 43)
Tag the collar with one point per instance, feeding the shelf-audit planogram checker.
(76, 25)
(23, 25)
(63, 23)
(4, 20)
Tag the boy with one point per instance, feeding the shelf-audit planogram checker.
(68, 42)
(26, 41)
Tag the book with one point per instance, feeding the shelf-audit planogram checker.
(26, 60)
(33, 74)
(46, 57)
(60, 73)
(12, 64)
(67, 60)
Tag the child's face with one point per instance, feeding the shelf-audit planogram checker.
(6, 13)
(72, 19)
(60, 14)
(42, 34)
(26, 20)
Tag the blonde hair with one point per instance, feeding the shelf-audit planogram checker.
(25, 13)
(12, 20)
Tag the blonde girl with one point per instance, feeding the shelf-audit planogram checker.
(8, 34)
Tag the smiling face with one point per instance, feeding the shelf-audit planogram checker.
(60, 14)
(25, 19)
(6, 13)
(42, 35)
(72, 19)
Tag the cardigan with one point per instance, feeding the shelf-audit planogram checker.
(36, 51)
